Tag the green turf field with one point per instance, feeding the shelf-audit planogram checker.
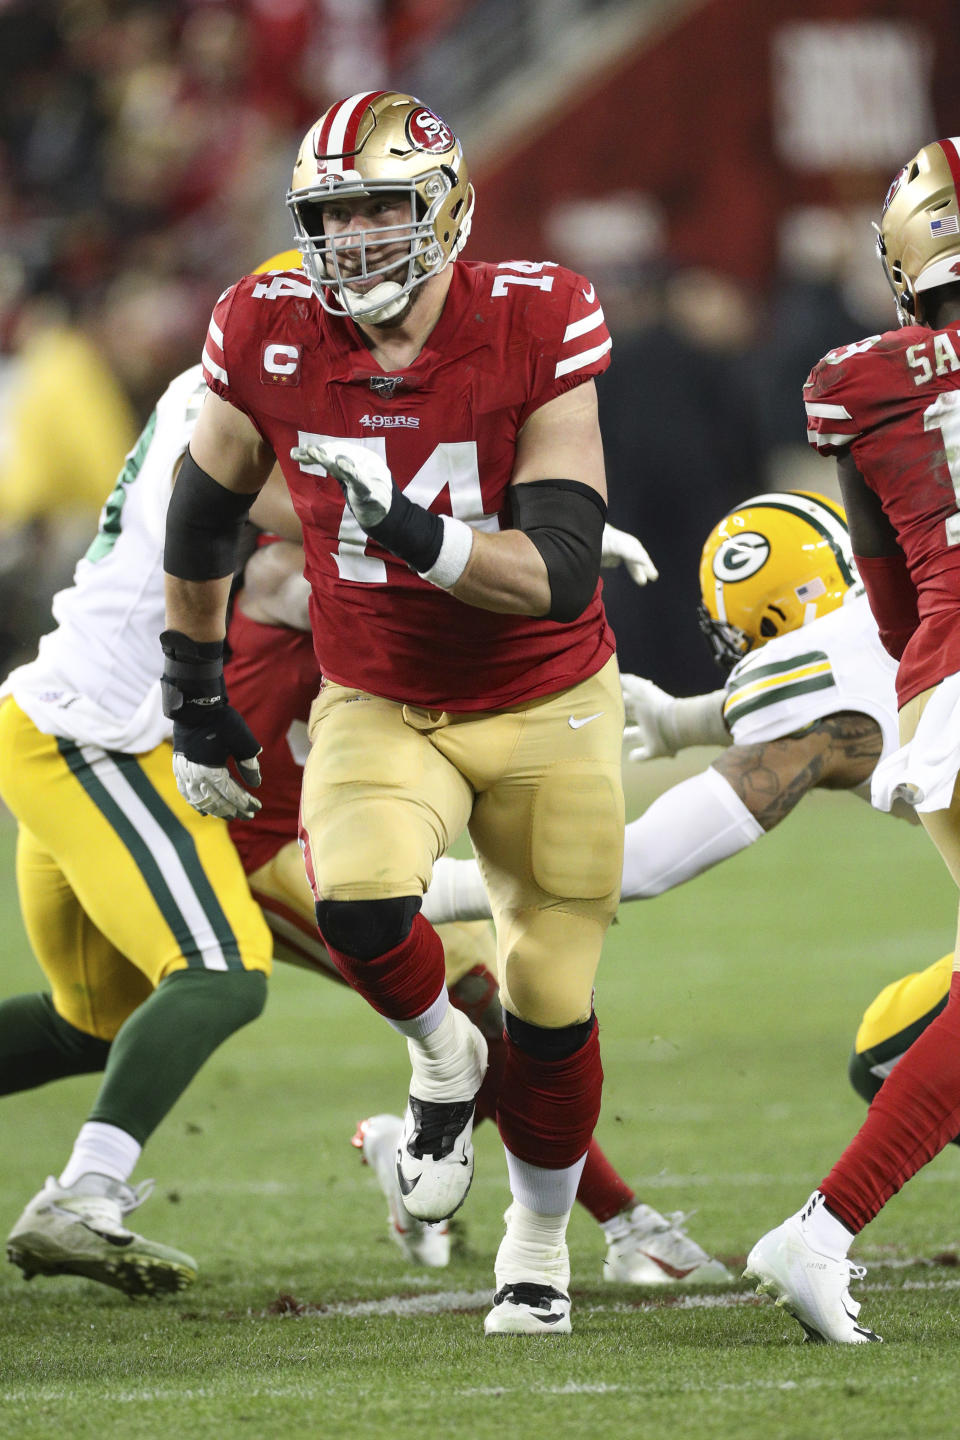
(727, 1009)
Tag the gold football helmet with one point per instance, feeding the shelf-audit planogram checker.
(775, 563)
(918, 238)
(380, 143)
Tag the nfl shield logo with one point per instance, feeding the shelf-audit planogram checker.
(385, 385)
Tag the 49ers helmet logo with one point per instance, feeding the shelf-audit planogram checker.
(741, 556)
(427, 131)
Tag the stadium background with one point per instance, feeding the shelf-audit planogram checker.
(713, 167)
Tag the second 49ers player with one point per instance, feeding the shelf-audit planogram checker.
(436, 423)
(889, 409)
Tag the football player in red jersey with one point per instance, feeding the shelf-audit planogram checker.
(272, 678)
(889, 409)
(436, 423)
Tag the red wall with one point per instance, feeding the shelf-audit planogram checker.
(687, 118)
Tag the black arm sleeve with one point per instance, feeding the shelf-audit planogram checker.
(564, 519)
(204, 521)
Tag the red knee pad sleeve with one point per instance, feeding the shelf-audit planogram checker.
(405, 981)
(548, 1109)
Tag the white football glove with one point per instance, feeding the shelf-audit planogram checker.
(646, 707)
(619, 547)
(361, 474)
(212, 789)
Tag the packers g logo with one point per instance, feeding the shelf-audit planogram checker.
(741, 556)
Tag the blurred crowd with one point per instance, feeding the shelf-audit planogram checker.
(143, 145)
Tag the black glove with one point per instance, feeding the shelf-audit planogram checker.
(207, 731)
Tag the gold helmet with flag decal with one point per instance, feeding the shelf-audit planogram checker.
(373, 144)
(774, 563)
(918, 238)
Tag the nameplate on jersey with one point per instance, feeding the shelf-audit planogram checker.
(280, 365)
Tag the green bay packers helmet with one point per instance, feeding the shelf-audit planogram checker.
(775, 563)
(285, 260)
(918, 238)
(376, 143)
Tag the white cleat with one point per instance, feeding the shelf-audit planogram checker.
(528, 1308)
(647, 1248)
(434, 1154)
(533, 1285)
(377, 1140)
(811, 1287)
(80, 1230)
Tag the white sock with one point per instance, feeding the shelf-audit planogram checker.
(447, 1063)
(425, 1023)
(534, 1248)
(456, 893)
(101, 1150)
(548, 1192)
(824, 1231)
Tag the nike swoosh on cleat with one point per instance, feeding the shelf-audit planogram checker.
(577, 724)
(546, 1319)
(670, 1269)
(406, 1185)
(121, 1241)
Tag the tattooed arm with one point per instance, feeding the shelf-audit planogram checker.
(838, 752)
(745, 792)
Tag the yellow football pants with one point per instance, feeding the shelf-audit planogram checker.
(120, 881)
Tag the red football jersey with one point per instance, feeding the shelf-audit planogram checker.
(510, 338)
(272, 678)
(894, 399)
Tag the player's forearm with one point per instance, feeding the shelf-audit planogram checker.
(198, 608)
(505, 573)
(688, 829)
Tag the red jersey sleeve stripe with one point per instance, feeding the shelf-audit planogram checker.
(214, 362)
(820, 410)
(582, 326)
(582, 360)
(822, 441)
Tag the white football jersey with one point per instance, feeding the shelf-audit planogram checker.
(835, 663)
(96, 678)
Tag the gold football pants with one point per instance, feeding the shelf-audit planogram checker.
(388, 787)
